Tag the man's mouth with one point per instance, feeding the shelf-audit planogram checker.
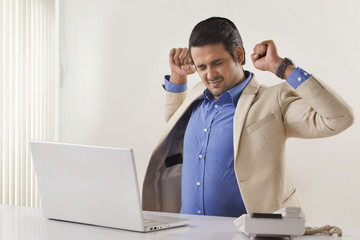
(215, 83)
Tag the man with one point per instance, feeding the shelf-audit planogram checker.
(223, 149)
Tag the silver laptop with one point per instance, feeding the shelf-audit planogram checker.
(93, 185)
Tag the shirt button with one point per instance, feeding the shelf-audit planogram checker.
(216, 106)
(305, 73)
(199, 211)
(205, 130)
(198, 183)
(299, 79)
(200, 156)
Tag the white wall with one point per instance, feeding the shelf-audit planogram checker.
(114, 54)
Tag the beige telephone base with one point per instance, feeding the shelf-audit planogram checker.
(285, 222)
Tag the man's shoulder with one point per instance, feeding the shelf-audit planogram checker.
(258, 87)
(274, 93)
(276, 88)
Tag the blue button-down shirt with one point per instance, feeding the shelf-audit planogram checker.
(209, 184)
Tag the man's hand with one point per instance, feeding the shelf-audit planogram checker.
(266, 58)
(180, 65)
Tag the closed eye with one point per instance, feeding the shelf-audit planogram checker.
(218, 62)
(201, 67)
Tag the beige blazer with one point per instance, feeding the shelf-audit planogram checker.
(264, 118)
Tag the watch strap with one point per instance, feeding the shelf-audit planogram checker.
(283, 65)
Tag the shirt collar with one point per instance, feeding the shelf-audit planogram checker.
(233, 93)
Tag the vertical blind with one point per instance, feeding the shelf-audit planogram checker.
(27, 101)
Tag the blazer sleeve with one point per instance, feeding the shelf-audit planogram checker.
(172, 103)
(313, 110)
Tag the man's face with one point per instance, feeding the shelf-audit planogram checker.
(217, 68)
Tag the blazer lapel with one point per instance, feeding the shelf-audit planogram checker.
(195, 94)
(242, 108)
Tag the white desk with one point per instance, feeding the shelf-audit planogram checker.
(23, 223)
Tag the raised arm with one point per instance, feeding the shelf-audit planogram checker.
(310, 108)
(180, 66)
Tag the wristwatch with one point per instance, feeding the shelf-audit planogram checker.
(283, 65)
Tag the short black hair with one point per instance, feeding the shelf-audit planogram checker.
(216, 30)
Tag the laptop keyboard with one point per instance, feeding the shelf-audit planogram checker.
(149, 221)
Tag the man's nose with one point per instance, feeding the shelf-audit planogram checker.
(211, 74)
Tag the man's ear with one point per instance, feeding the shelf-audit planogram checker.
(239, 52)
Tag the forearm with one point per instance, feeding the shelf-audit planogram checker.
(290, 69)
(178, 79)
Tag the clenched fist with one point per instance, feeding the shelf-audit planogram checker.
(180, 65)
(265, 56)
